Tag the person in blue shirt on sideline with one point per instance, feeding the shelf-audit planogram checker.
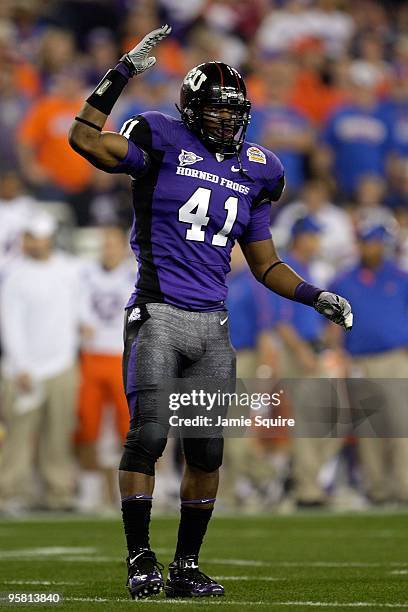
(299, 331)
(289, 133)
(358, 134)
(377, 348)
(282, 127)
(300, 358)
(397, 107)
(150, 92)
(251, 319)
(250, 315)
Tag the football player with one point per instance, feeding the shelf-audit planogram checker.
(197, 186)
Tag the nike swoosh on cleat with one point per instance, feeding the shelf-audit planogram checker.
(134, 558)
(223, 321)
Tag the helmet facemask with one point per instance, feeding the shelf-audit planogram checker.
(223, 127)
(220, 119)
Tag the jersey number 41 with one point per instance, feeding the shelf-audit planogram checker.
(194, 212)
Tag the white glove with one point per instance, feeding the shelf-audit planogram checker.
(138, 60)
(335, 308)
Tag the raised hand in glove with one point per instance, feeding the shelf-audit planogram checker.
(335, 308)
(138, 60)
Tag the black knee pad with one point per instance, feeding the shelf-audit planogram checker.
(204, 453)
(143, 446)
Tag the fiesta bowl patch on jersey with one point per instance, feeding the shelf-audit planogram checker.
(256, 155)
(187, 158)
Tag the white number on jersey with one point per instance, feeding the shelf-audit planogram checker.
(231, 205)
(195, 210)
(128, 127)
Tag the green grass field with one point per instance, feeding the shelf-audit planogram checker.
(299, 562)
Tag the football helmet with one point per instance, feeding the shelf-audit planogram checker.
(214, 105)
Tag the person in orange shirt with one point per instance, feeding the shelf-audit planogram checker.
(52, 168)
(27, 79)
(317, 90)
(142, 18)
(313, 84)
(279, 126)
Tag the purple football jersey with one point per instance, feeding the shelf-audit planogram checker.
(190, 206)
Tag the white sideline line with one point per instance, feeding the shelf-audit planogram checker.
(311, 516)
(42, 582)
(74, 583)
(248, 562)
(70, 554)
(97, 599)
(222, 601)
(334, 564)
(399, 572)
(337, 564)
(96, 558)
(249, 578)
(47, 551)
(87, 555)
(80, 553)
(320, 533)
(339, 604)
(109, 559)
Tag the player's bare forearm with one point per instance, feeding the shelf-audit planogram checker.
(262, 257)
(277, 276)
(103, 149)
(106, 150)
(283, 280)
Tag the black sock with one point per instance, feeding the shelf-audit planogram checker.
(136, 521)
(192, 528)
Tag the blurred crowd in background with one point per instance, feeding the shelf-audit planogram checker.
(328, 81)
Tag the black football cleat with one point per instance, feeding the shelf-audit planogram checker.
(186, 580)
(144, 574)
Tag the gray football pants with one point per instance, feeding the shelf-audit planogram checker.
(163, 343)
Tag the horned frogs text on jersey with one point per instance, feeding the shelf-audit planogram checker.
(190, 207)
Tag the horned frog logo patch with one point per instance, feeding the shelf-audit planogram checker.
(187, 158)
(256, 155)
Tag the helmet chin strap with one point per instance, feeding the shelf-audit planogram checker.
(241, 168)
(229, 154)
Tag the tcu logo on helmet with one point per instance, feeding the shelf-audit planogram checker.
(195, 78)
